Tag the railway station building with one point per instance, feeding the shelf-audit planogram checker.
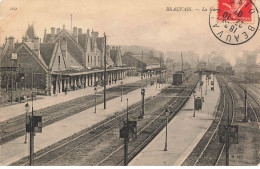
(62, 60)
(147, 63)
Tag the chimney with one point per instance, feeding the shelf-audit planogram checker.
(96, 34)
(57, 30)
(80, 31)
(75, 33)
(36, 43)
(64, 48)
(52, 31)
(10, 43)
(93, 33)
(87, 32)
(36, 46)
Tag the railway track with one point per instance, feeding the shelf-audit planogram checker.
(76, 143)
(148, 132)
(208, 151)
(252, 102)
(246, 151)
(14, 128)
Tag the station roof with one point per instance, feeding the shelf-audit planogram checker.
(75, 72)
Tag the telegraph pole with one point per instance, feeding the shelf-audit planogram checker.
(206, 86)
(105, 69)
(245, 118)
(71, 21)
(31, 128)
(126, 137)
(142, 74)
(227, 144)
(181, 62)
(160, 70)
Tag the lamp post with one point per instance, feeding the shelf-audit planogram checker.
(194, 103)
(31, 139)
(143, 106)
(27, 108)
(167, 113)
(146, 80)
(206, 86)
(121, 91)
(95, 91)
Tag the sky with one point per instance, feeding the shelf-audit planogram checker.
(126, 22)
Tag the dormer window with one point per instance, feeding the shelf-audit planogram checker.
(59, 59)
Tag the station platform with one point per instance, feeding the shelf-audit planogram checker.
(16, 149)
(184, 132)
(8, 112)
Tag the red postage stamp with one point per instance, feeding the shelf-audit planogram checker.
(234, 10)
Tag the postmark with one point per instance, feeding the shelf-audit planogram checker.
(234, 22)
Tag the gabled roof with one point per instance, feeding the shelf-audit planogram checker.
(46, 51)
(75, 48)
(7, 52)
(37, 58)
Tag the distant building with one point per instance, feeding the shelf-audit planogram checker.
(169, 63)
(202, 65)
(250, 57)
(145, 61)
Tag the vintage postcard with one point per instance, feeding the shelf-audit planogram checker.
(129, 83)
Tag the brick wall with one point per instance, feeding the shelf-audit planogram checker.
(29, 65)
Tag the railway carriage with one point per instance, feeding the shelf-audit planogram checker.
(178, 78)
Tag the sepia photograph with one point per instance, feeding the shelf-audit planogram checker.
(129, 83)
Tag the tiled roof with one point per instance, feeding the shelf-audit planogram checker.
(113, 55)
(91, 44)
(74, 50)
(82, 39)
(148, 60)
(100, 43)
(71, 62)
(46, 50)
(47, 38)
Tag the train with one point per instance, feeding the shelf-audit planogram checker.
(178, 78)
